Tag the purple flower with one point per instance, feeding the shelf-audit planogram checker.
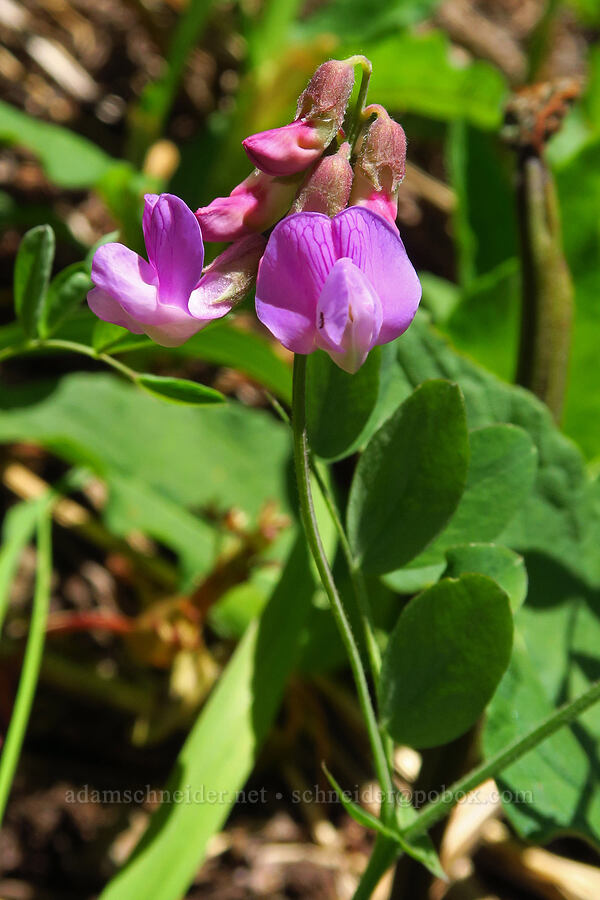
(343, 285)
(167, 297)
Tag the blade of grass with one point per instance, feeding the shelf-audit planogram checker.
(33, 657)
(19, 526)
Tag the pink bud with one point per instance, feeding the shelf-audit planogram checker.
(284, 151)
(254, 205)
(319, 117)
(381, 164)
(327, 186)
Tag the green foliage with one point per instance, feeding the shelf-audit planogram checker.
(561, 516)
(161, 460)
(217, 758)
(415, 73)
(444, 659)
(360, 20)
(339, 405)
(32, 275)
(502, 565)
(502, 469)
(69, 160)
(66, 292)
(409, 479)
(180, 390)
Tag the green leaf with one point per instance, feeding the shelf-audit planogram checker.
(32, 274)
(157, 456)
(135, 505)
(217, 758)
(360, 20)
(410, 478)
(227, 343)
(416, 73)
(180, 390)
(66, 292)
(502, 470)
(444, 660)
(105, 335)
(561, 516)
(69, 160)
(502, 565)
(338, 404)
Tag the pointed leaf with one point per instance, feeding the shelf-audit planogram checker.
(32, 274)
(180, 390)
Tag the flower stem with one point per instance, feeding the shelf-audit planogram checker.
(309, 521)
(356, 576)
(493, 766)
(35, 345)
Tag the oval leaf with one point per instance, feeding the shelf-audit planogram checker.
(410, 478)
(339, 404)
(32, 274)
(180, 390)
(65, 294)
(444, 659)
(504, 566)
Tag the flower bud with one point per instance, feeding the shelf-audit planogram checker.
(380, 166)
(227, 280)
(254, 205)
(319, 116)
(327, 186)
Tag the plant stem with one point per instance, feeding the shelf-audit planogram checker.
(356, 576)
(383, 855)
(357, 117)
(492, 767)
(35, 345)
(309, 521)
(32, 660)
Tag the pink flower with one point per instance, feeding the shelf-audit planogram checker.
(254, 205)
(167, 297)
(319, 117)
(343, 285)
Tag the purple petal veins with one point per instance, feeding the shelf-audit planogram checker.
(343, 284)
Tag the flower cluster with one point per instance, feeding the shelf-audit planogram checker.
(334, 273)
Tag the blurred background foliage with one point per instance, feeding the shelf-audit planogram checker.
(104, 101)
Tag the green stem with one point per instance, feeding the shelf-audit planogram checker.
(385, 852)
(356, 576)
(357, 117)
(309, 521)
(32, 660)
(493, 766)
(34, 346)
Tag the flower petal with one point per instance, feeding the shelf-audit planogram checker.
(174, 333)
(150, 201)
(228, 279)
(286, 150)
(291, 275)
(349, 316)
(374, 246)
(127, 278)
(109, 310)
(175, 249)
